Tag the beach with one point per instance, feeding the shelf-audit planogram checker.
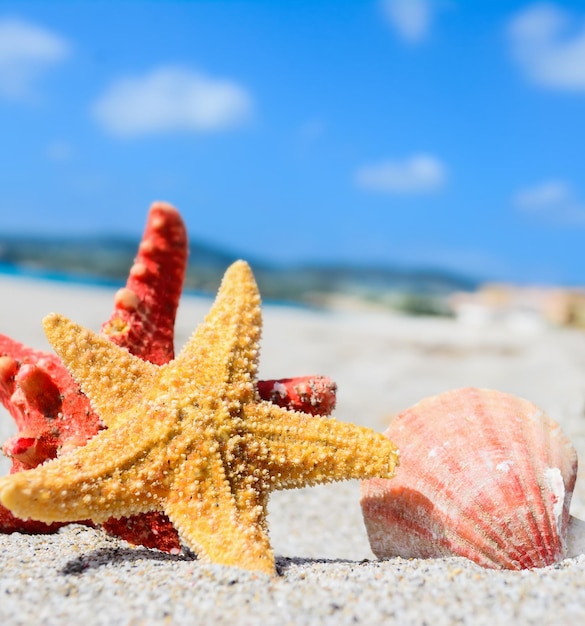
(383, 363)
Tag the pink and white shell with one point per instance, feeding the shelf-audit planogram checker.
(483, 475)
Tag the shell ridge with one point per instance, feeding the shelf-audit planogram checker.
(547, 443)
(484, 475)
(447, 498)
(482, 536)
(565, 462)
(542, 464)
(524, 520)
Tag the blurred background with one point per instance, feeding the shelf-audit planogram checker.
(416, 154)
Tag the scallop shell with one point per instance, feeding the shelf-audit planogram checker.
(483, 474)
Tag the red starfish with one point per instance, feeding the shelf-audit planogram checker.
(53, 416)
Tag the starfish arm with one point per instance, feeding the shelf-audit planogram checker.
(304, 450)
(191, 437)
(90, 358)
(144, 310)
(221, 526)
(224, 349)
(119, 472)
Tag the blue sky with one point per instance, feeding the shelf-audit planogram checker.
(413, 132)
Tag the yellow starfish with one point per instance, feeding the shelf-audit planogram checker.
(191, 437)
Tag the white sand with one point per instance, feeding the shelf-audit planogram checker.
(382, 364)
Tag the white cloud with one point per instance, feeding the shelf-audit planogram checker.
(411, 18)
(544, 195)
(549, 46)
(171, 99)
(26, 50)
(418, 174)
(553, 200)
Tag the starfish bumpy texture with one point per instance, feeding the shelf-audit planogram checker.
(192, 437)
(53, 417)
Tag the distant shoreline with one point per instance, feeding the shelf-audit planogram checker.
(10, 269)
(82, 280)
